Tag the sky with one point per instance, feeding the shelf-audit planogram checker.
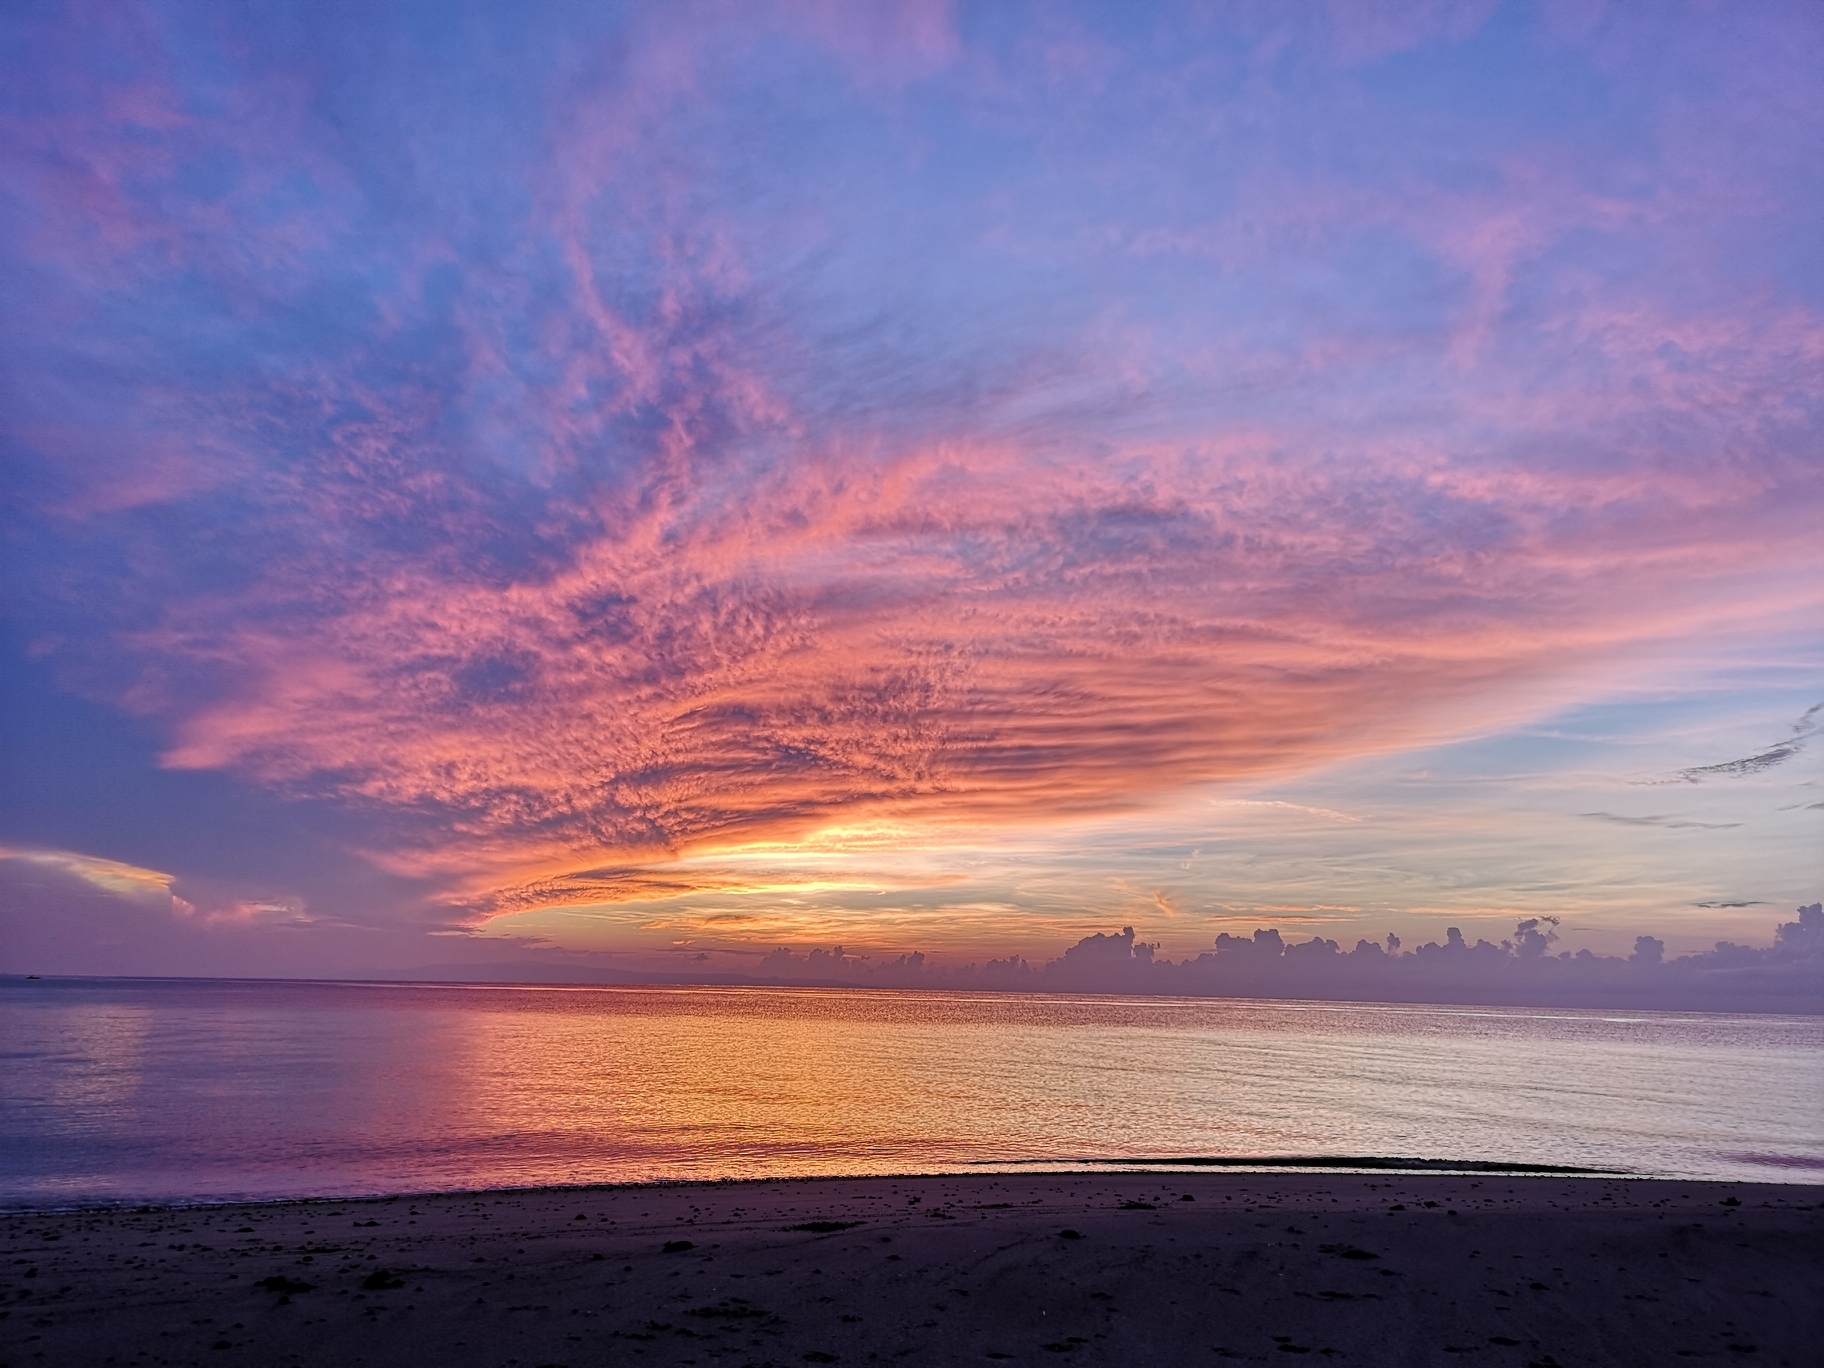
(645, 485)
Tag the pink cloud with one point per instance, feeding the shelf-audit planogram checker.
(959, 634)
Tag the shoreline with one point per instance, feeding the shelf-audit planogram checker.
(1076, 1166)
(1141, 1265)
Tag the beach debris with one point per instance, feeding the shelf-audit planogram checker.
(729, 1308)
(824, 1227)
(1346, 1251)
(677, 1246)
(1070, 1234)
(278, 1282)
(381, 1281)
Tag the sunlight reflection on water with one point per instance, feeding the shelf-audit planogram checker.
(118, 1090)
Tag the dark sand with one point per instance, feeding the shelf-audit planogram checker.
(1258, 1268)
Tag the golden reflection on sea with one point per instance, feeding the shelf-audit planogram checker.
(239, 1089)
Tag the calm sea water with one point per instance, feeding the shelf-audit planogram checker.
(116, 1090)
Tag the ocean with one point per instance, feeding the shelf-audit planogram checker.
(129, 1091)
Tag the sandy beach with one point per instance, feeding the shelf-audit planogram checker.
(1108, 1269)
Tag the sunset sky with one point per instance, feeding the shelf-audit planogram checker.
(668, 481)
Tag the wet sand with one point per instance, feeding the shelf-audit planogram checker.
(1127, 1268)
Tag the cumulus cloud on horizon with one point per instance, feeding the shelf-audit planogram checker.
(1521, 970)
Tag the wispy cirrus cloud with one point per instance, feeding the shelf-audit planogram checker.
(1776, 754)
(108, 876)
(1655, 820)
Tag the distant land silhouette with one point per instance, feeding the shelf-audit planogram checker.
(1787, 976)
